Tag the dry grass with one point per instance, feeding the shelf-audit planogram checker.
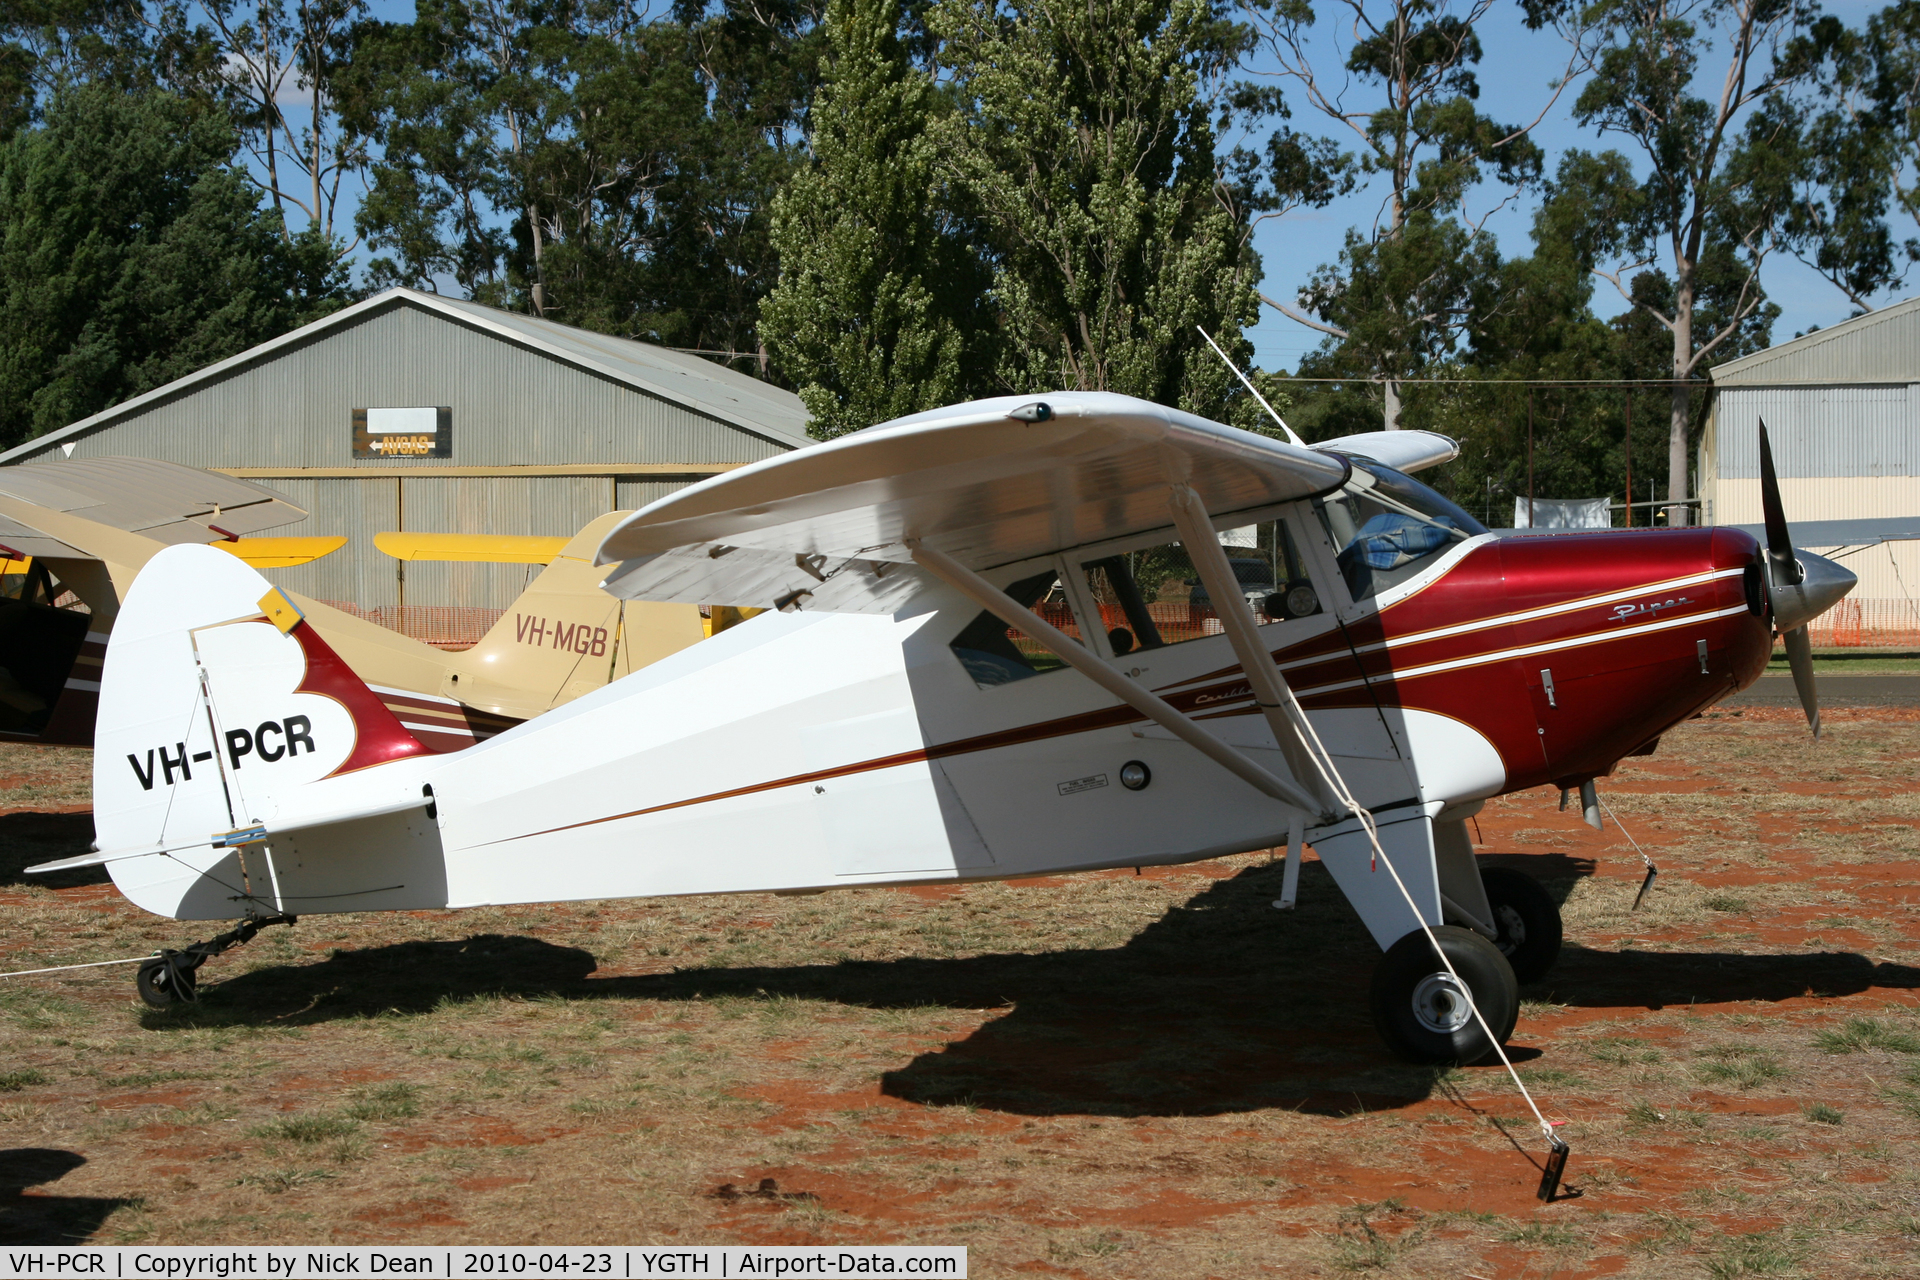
(1105, 1076)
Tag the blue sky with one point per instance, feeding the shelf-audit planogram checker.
(1514, 82)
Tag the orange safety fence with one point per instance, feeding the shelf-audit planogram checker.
(1867, 624)
(1175, 622)
(442, 626)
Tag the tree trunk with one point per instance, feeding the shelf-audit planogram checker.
(1677, 426)
(1393, 404)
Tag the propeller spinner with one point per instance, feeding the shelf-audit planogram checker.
(1800, 586)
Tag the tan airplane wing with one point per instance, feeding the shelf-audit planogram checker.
(563, 637)
(164, 501)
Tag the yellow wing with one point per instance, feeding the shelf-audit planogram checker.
(487, 548)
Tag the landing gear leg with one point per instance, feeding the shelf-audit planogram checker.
(172, 977)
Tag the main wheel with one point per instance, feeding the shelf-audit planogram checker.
(1528, 920)
(162, 982)
(1420, 1010)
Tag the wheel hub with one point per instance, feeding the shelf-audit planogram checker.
(1440, 1003)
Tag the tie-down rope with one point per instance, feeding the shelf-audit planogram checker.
(1330, 773)
(62, 968)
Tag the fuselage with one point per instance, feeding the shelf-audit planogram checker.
(801, 752)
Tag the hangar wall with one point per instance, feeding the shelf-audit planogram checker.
(1842, 408)
(551, 426)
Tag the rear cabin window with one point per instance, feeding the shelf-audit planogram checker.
(1388, 527)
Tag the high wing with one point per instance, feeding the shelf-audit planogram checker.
(164, 501)
(988, 483)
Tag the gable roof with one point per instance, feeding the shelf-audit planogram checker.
(697, 384)
(1880, 347)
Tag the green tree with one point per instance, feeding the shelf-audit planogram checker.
(1085, 148)
(584, 160)
(1720, 171)
(133, 252)
(1858, 116)
(1407, 290)
(879, 309)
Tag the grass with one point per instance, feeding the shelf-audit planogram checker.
(1858, 1034)
(14, 1081)
(307, 1129)
(396, 1101)
(1742, 1066)
(1840, 662)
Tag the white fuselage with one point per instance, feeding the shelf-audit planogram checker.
(812, 751)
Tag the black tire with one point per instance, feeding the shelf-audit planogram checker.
(1422, 1015)
(1528, 920)
(162, 983)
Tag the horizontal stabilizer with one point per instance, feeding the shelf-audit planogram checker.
(281, 553)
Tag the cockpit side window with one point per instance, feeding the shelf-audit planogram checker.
(1154, 597)
(1389, 527)
(995, 654)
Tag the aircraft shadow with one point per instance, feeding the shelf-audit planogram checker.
(1221, 1005)
(44, 1219)
(30, 838)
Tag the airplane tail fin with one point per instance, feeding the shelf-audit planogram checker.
(564, 636)
(226, 721)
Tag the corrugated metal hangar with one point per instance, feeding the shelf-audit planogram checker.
(1842, 408)
(415, 412)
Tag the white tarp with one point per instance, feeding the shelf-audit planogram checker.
(1563, 513)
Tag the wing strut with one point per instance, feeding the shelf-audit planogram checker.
(1083, 660)
(1270, 691)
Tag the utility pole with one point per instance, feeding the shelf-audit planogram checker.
(1529, 457)
(1629, 457)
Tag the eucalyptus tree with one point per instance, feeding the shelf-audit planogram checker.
(589, 160)
(1859, 117)
(1712, 184)
(1407, 288)
(262, 60)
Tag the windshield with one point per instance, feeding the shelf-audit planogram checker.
(1389, 526)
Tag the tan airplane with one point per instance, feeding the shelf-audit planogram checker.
(90, 525)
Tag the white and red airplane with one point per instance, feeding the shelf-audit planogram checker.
(986, 661)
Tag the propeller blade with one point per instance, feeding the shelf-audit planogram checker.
(1800, 658)
(1786, 566)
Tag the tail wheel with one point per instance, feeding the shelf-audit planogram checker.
(1528, 920)
(166, 980)
(1419, 1008)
